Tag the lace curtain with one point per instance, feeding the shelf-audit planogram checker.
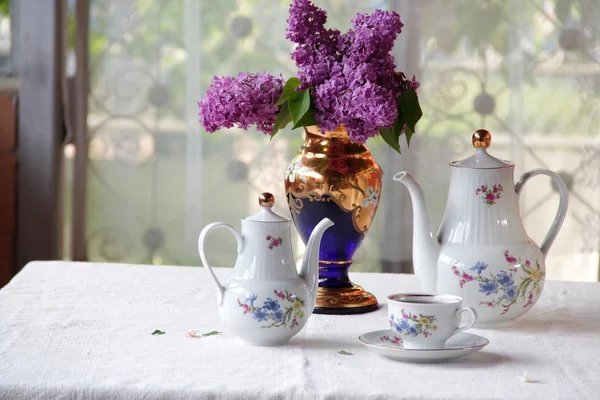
(526, 70)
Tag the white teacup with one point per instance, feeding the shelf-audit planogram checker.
(426, 321)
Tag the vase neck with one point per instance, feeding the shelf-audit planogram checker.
(332, 143)
(338, 133)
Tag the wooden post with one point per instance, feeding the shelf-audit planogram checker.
(8, 172)
(40, 126)
(80, 133)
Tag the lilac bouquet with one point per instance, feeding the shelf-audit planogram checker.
(343, 79)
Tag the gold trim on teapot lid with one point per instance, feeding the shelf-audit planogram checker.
(481, 139)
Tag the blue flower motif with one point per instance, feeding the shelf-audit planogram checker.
(488, 287)
(479, 266)
(510, 293)
(271, 304)
(277, 315)
(250, 299)
(413, 330)
(401, 324)
(505, 279)
(260, 315)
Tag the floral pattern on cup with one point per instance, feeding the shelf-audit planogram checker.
(413, 325)
(282, 310)
(489, 195)
(501, 287)
(371, 197)
(274, 242)
(396, 340)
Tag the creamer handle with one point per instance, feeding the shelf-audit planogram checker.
(562, 205)
(202, 238)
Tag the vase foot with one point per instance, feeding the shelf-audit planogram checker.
(343, 301)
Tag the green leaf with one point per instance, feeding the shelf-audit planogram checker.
(283, 118)
(299, 103)
(345, 353)
(288, 89)
(212, 333)
(409, 134)
(410, 108)
(391, 137)
(158, 332)
(307, 120)
(563, 9)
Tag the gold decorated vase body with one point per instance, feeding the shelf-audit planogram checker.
(335, 178)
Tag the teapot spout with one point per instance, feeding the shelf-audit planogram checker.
(310, 265)
(426, 247)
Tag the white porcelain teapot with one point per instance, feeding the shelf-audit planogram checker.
(482, 252)
(265, 300)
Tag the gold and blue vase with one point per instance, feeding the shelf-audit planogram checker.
(335, 178)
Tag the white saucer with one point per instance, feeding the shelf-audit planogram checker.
(389, 344)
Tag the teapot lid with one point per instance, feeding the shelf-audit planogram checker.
(481, 159)
(266, 201)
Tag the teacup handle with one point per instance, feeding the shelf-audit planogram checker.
(202, 238)
(470, 324)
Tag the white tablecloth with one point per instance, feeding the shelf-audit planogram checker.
(83, 331)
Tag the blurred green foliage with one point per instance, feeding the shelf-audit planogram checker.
(4, 7)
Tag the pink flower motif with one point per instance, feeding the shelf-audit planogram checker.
(456, 272)
(490, 304)
(489, 196)
(528, 263)
(274, 242)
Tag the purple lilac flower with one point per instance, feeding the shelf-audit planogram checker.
(316, 55)
(246, 100)
(306, 22)
(353, 75)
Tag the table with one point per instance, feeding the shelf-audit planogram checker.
(83, 331)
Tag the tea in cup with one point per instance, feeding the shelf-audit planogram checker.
(426, 321)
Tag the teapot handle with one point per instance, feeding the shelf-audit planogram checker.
(563, 204)
(202, 238)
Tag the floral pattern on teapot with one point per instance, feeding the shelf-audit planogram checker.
(291, 312)
(274, 242)
(489, 195)
(412, 325)
(501, 286)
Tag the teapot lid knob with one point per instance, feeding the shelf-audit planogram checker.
(481, 139)
(266, 200)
